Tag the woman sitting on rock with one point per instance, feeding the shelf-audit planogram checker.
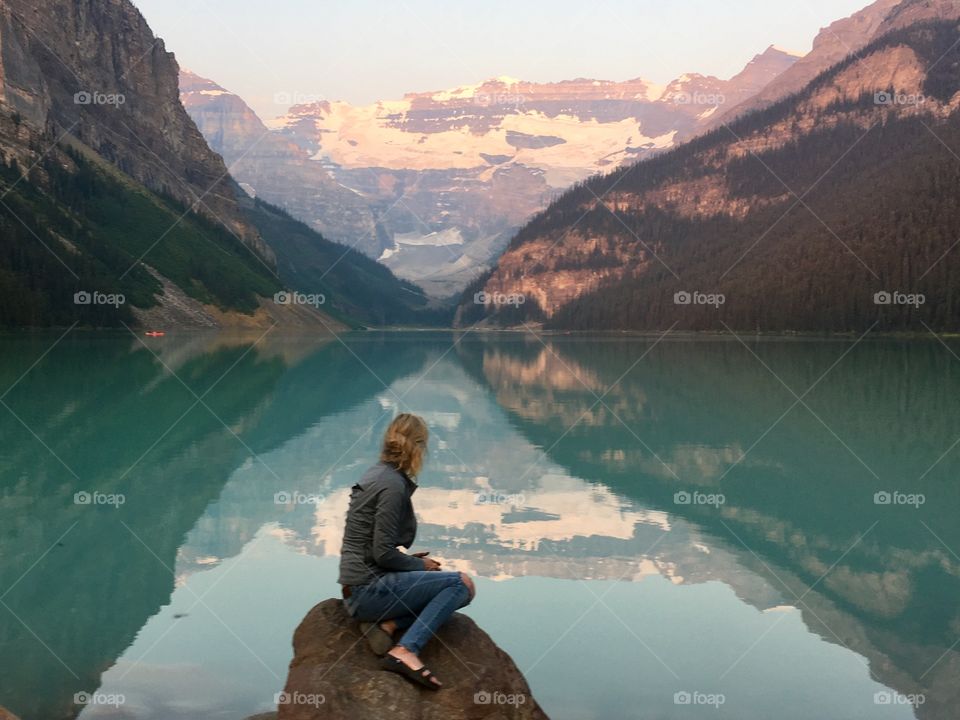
(386, 589)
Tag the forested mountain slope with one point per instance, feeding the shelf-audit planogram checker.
(113, 209)
(809, 215)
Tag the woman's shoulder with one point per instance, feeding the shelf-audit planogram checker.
(382, 474)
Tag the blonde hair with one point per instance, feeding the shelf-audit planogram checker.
(405, 444)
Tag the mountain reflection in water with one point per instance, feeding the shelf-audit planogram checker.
(559, 459)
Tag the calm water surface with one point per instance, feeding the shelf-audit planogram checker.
(649, 522)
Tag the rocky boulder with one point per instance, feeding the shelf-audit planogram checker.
(334, 675)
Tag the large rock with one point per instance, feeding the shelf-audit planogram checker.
(96, 72)
(334, 675)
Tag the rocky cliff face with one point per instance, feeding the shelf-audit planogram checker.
(831, 45)
(334, 676)
(272, 167)
(675, 216)
(94, 72)
(434, 184)
(111, 188)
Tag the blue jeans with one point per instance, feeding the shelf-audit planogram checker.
(419, 602)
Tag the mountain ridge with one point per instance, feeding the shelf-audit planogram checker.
(705, 206)
(115, 211)
(434, 184)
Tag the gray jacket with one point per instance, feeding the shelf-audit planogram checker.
(380, 518)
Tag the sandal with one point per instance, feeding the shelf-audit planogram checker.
(379, 640)
(421, 676)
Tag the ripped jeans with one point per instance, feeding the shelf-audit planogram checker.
(419, 602)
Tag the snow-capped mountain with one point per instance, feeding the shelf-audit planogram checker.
(435, 184)
(271, 167)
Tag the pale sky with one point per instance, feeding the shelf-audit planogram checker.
(366, 50)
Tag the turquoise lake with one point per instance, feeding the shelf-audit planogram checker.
(741, 529)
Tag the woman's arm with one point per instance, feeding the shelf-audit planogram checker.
(386, 523)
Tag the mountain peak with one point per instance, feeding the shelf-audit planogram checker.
(190, 82)
(577, 270)
(776, 49)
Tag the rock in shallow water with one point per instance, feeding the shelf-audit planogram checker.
(334, 675)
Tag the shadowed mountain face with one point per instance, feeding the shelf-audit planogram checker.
(435, 183)
(797, 217)
(109, 190)
(97, 73)
(108, 187)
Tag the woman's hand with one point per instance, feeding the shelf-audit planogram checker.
(428, 563)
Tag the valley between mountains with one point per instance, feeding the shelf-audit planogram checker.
(808, 192)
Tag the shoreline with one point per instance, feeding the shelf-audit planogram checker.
(293, 331)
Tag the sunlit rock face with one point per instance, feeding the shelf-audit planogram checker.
(605, 235)
(435, 183)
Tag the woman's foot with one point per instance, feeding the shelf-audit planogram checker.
(411, 661)
(379, 637)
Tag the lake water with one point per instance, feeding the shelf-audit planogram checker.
(674, 529)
